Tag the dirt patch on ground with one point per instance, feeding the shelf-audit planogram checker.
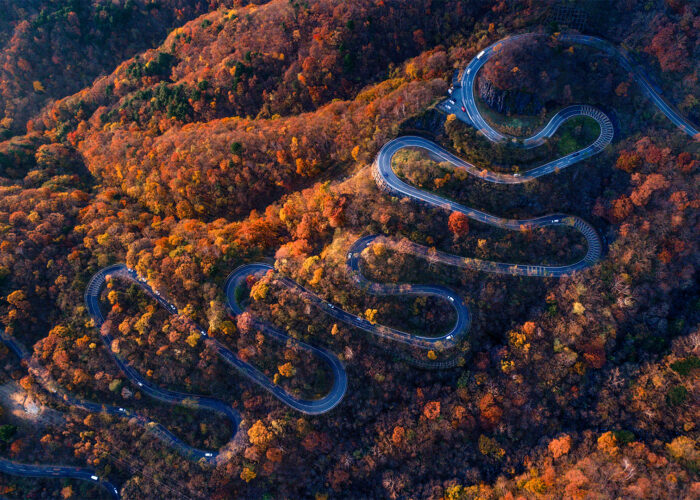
(24, 409)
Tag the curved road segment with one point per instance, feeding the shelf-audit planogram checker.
(311, 407)
(447, 340)
(619, 54)
(389, 181)
(48, 471)
(56, 471)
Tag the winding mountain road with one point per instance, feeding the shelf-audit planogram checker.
(390, 182)
(619, 54)
(311, 407)
(49, 471)
(442, 342)
(92, 301)
(387, 179)
(56, 471)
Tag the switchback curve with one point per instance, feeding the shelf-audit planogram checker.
(444, 341)
(387, 180)
(311, 407)
(620, 54)
(49, 471)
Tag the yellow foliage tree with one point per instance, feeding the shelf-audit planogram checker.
(411, 70)
(684, 449)
(607, 443)
(248, 474)
(112, 297)
(192, 339)
(16, 298)
(371, 314)
(259, 435)
(228, 328)
(259, 291)
(379, 249)
(318, 274)
(287, 370)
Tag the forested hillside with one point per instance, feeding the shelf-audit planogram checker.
(186, 138)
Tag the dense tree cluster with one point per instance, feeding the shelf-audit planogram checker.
(52, 49)
(185, 146)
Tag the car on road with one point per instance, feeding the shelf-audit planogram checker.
(464, 110)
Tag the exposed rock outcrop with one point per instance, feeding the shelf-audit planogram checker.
(508, 101)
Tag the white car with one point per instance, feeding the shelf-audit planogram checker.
(94, 478)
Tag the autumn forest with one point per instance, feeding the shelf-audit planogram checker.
(290, 249)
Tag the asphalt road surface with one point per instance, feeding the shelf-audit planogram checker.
(466, 91)
(56, 471)
(389, 181)
(50, 471)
